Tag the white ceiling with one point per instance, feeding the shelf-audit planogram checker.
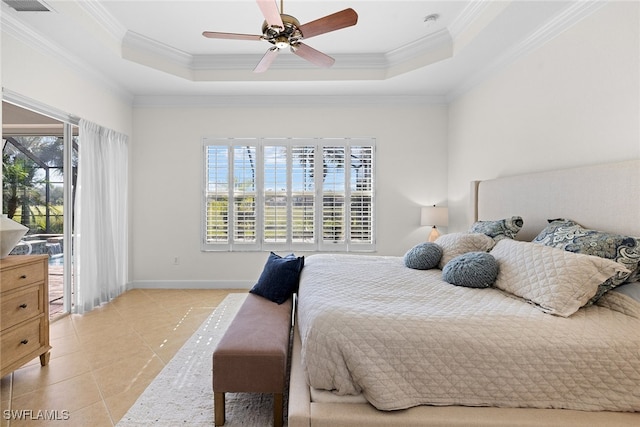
(155, 47)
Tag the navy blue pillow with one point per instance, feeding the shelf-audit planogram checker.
(279, 278)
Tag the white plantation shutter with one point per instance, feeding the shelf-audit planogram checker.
(231, 175)
(303, 197)
(244, 195)
(347, 196)
(276, 203)
(217, 194)
(333, 196)
(289, 194)
(361, 196)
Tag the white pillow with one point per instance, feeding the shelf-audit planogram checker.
(455, 244)
(557, 281)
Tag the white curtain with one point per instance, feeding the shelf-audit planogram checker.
(101, 229)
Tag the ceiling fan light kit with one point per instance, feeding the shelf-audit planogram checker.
(284, 36)
(284, 31)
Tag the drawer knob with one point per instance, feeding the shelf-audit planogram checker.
(24, 341)
(24, 276)
(23, 305)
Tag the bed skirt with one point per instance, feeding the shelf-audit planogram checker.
(305, 413)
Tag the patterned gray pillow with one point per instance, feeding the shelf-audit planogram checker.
(423, 256)
(569, 235)
(499, 229)
(472, 270)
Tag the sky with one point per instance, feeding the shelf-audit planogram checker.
(275, 167)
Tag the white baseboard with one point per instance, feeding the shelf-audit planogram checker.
(190, 284)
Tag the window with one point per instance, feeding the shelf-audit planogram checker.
(289, 194)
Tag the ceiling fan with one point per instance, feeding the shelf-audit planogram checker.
(284, 30)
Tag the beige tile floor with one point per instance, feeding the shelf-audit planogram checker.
(103, 360)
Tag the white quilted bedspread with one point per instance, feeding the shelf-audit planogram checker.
(403, 337)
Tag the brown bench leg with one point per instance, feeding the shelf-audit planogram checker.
(278, 404)
(218, 405)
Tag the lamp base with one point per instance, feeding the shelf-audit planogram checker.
(434, 234)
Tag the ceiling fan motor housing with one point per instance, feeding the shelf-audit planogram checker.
(283, 37)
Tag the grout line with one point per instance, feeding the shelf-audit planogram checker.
(184, 311)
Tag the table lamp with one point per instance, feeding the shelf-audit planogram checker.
(434, 216)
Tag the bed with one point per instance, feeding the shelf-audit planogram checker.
(383, 344)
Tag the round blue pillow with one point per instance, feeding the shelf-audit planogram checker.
(423, 256)
(472, 270)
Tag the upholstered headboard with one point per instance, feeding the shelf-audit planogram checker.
(605, 197)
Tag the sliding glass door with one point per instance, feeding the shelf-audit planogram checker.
(39, 169)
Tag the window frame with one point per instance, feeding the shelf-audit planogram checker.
(318, 243)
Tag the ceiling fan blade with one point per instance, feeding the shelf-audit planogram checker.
(335, 21)
(271, 13)
(266, 60)
(312, 55)
(215, 35)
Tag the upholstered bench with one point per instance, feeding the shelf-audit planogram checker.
(252, 355)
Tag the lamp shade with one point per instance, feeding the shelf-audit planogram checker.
(10, 234)
(434, 215)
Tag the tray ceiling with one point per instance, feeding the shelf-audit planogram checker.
(156, 47)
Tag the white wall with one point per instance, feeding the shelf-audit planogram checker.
(41, 77)
(168, 172)
(574, 101)
(54, 83)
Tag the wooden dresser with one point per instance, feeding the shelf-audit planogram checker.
(24, 311)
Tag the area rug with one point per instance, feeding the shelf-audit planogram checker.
(182, 392)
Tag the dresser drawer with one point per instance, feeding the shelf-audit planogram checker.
(21, 305)
(21, 341)
(15, 277)
(24, 311)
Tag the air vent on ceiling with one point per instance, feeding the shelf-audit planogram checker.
(27, 5)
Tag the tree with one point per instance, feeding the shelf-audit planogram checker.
(27, 162)
(18, 179)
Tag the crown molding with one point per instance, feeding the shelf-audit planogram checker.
(135, 42)
(16, 29)
(152, 53)
(466, 17)
(571, 15)
(285, 61)
(104, 18)
(27, 35)
(144, 50)
(433, 42)
(205, 101)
